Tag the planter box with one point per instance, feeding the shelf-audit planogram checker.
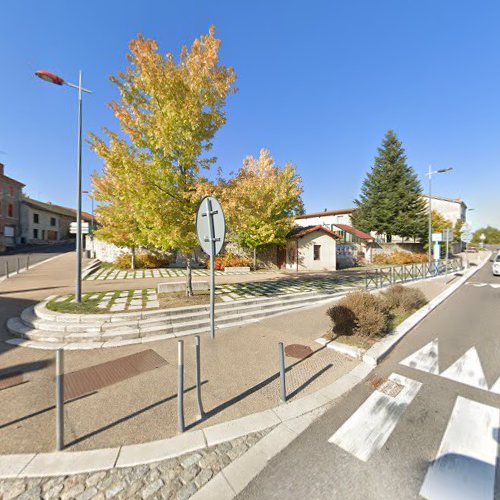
(236, 270)
(180, 286)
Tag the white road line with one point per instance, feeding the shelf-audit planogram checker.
(496, 386)
(367, 430)
(425, 359)
(464, 467)
(467, 370)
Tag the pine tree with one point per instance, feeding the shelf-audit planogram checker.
(390, 202)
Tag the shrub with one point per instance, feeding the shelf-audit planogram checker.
(404, 299)
(398, 258)
(230, 260)
(142, 261)
(360, 313)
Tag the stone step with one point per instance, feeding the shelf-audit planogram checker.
(123, 333)
(30, 316)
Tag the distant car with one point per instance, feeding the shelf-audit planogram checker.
(496, 265)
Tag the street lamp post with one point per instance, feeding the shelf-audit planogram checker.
(57, 80)
(429, 174)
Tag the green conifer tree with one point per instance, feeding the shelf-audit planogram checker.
(390, 202)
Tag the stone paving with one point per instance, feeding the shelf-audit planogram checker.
(131, 300)
(176, 478)
(110, 273)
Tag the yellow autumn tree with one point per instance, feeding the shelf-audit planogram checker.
(169, 113)
(260, 202)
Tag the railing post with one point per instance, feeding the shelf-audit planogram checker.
(201, 413)
(366, 279)
(282, 372)
(59, 399)
(180, 385)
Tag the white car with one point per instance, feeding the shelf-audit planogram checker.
(496, 265)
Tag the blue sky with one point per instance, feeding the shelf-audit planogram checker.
(320, 83)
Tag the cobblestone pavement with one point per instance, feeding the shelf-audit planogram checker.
(176, 478)
(130, 300)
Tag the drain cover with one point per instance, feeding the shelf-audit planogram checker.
(385, 386)
(298, 351)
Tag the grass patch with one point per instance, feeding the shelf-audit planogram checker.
(179, 299)
(86, 306)
(353, 340)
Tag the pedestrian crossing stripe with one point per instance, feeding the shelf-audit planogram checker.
(465, 463)
(466, 370)
(481, 285)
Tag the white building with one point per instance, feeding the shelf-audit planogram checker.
(326, 218)
(312, 248)
(452, 209)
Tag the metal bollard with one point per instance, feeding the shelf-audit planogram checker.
(6, 269)
(180, 386)
(59, 399)
(18, 265)
(281, 349)
(27, 262)
(201, 413)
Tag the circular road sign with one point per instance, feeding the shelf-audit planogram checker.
(210, 225)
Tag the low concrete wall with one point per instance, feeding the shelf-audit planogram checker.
(180, 286)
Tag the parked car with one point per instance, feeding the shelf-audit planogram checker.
(496, 265)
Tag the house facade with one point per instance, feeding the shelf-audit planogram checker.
(10, 209)
(311, 248)
(453, 209)
(45, 222)
(326, 218)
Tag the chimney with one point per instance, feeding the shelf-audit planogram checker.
(1, 168)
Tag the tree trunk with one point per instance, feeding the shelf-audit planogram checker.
(189, 278)
(132, 259)
(255, 259)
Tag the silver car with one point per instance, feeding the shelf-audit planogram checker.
(496, 265)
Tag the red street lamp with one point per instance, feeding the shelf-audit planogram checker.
(57, 80)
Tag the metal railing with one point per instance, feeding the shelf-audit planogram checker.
(383, 276)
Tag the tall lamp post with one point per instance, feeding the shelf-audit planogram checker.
(57, 80)
(429, 174)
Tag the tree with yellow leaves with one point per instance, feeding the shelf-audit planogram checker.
(169, 113)
(260, 202)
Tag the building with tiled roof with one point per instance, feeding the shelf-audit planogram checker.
(10, 208)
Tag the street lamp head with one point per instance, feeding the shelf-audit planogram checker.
(49, 77)
(443, 170)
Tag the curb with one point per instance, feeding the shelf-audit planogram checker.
(296, 416)
(378, 352)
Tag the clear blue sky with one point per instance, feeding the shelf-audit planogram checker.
(320, 83)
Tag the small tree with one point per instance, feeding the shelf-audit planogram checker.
(170, 113)
(390, 202)
(492, 235)
(261, 202)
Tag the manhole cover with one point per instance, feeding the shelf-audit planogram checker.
(385, 386)
(298, 351)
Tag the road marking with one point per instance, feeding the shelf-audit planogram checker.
(367, 430)
(467, 370)
(464, 467)
(496, 386)
(425, 359)
(480, 285)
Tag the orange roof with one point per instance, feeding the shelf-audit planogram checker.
(354, 231)
(299, 232)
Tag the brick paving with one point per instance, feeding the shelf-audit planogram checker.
(176, 478)
(110, 273)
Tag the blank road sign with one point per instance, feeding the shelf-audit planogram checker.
(204, 221)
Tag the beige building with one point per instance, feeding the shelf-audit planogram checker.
(46, 222)
(311, 248)
(453, 209)
(326, 218)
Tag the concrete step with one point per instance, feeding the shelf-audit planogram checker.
(188, 326)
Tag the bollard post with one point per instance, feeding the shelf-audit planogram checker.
(201, 413)
(180, 385)
(59, 399)
(366, 279)
(282, 372)
(28, 262)
(18, 265)
(6, 269)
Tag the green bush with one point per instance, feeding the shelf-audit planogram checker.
(142, 261)
(404, 299)
(360, 313)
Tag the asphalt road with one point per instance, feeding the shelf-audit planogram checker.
(36, 253)
(434, 436)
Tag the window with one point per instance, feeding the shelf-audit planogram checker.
(317, 252)
(11, 210)
(35, 234)
(52, 221)
(35, 218)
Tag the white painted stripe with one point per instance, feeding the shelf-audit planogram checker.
(496, 386)
(495, 285)
(425, 359)
(464, 467)
(467, 370)
(370, 426)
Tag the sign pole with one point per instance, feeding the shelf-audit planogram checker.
(211, 232)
